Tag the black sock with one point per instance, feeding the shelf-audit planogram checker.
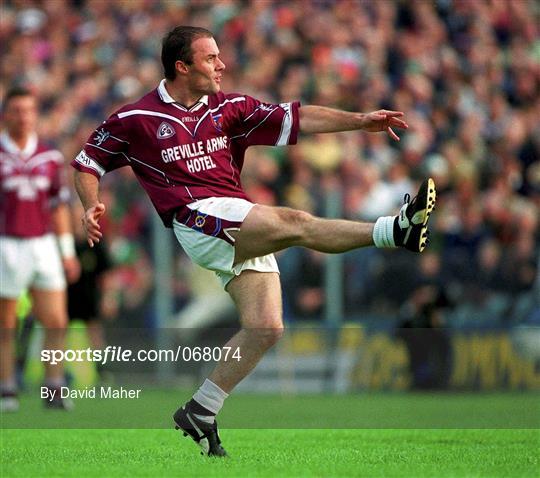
(198, 409)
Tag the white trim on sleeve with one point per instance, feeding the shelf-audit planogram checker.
(88, 162)
(286, 125)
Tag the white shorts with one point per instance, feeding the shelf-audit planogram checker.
(205, 236)
(34, 262)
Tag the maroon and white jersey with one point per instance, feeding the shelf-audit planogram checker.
(31, 184)
(180, 155)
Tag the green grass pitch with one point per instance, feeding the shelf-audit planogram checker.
(256, 449)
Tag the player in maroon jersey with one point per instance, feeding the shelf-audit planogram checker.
(186, 141)
(37, 249)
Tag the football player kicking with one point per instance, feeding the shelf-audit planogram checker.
(185, 141)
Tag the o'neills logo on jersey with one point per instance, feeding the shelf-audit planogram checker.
(165, 131)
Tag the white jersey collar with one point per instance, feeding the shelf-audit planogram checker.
(11, 147)
(167, 98)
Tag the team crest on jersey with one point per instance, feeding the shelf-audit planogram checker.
(165, 131)
(102, 136)
(218, 121)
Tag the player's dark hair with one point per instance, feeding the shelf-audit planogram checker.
(176, 46)
(15, 92)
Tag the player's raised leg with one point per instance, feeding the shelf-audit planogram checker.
(257, 296)
(270, 229)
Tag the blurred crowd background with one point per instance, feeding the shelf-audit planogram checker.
(465, 72)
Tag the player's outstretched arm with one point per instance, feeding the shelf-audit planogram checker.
(87, 186)
(320, 119)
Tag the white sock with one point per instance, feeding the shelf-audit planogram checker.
(211, 397)
(383, 232)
